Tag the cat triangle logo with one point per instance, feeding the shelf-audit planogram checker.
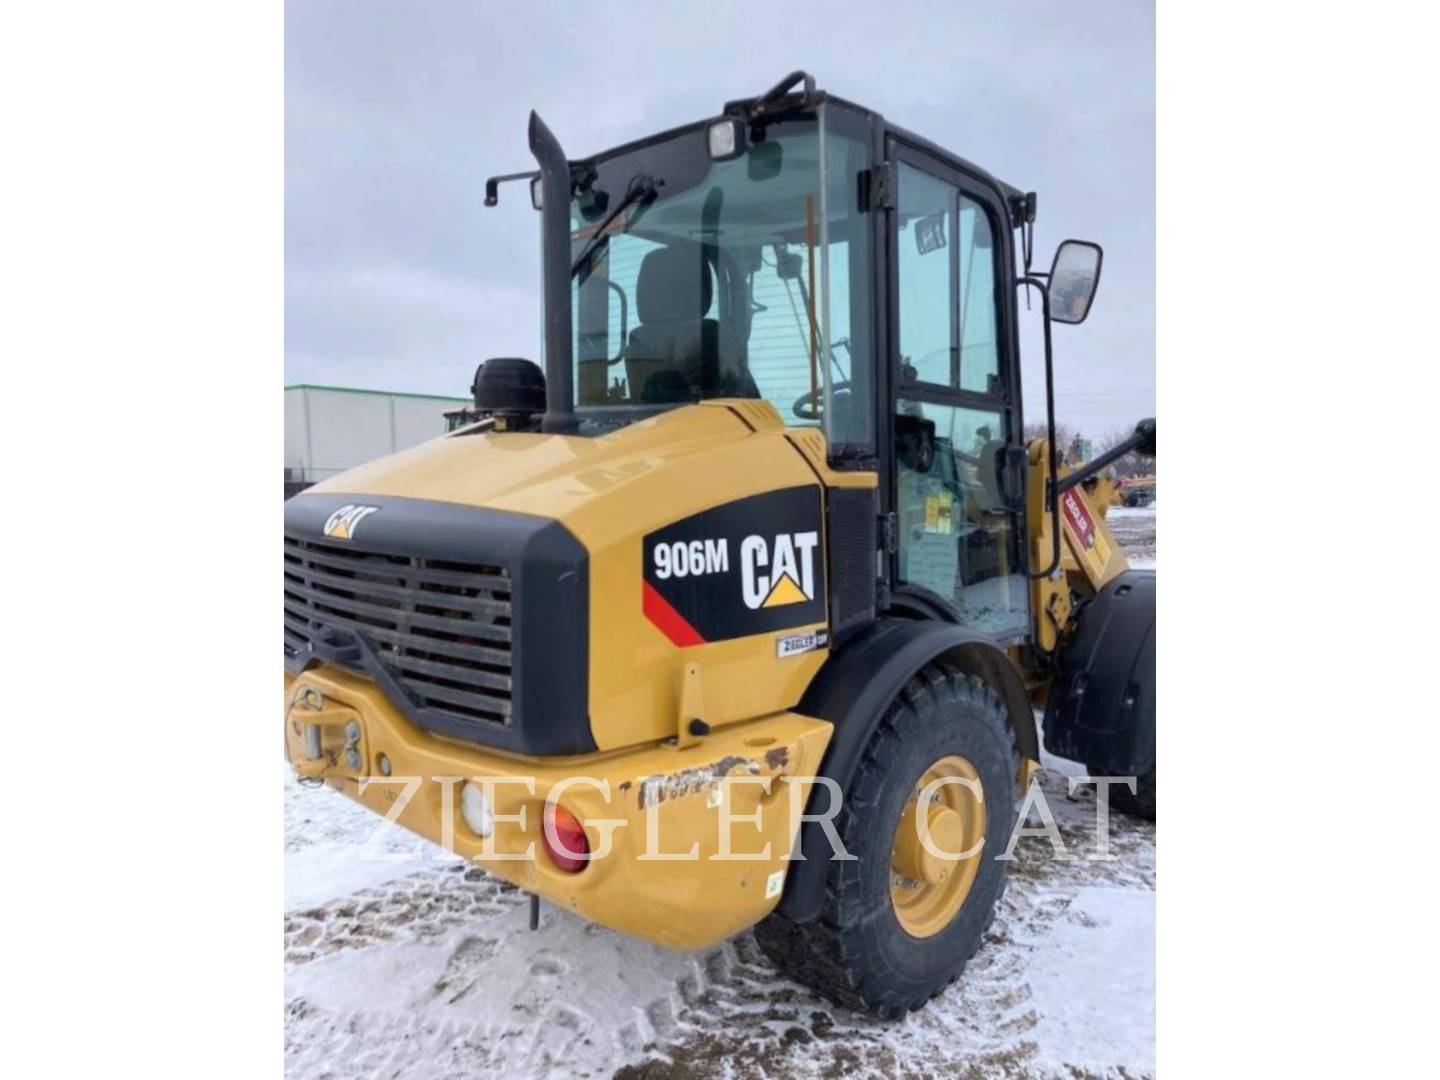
(785, 592)
(780, 573)
(341, 524)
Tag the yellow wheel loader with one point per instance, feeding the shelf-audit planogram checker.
(737, 611)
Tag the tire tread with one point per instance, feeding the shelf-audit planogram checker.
(825, 954)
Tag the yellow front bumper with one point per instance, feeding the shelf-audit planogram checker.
(656, 805)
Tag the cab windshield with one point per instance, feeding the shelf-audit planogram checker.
(741, 278)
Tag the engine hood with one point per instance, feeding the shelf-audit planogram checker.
(603, 488)
(610, 494)
(548, 475)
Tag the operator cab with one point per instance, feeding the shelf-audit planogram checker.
(801, 250)
(745, 276)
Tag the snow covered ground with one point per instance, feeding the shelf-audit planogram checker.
(401, 964)
(1134, 527)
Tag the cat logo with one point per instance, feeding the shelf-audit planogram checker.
(342, 523)
(773, 574)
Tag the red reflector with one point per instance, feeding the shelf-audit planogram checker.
(565, 840)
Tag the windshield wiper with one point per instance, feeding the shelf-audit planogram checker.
(642, 188)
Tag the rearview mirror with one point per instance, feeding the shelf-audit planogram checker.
(1074, 276)
(765, 160)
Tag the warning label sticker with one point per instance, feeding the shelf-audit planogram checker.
(940, 513)
(1077, 514)
(1082, 529)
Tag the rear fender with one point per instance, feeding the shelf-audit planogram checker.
(854, 689)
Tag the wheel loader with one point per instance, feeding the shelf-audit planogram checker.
(737, 609)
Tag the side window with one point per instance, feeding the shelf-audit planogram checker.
(947, 293)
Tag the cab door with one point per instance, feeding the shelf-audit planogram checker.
(954, 399)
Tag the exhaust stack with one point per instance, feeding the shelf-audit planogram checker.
(559, 414)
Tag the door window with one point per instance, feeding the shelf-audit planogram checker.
(953, 417)
(979, 342)
(925, 275)
(947, 294)
(955, 529)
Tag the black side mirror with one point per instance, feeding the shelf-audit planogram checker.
(1145, 432)
(1074, 277)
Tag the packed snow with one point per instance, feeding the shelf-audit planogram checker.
(401, 962)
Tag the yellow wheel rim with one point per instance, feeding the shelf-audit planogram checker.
(928, 885)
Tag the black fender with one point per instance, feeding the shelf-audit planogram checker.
(853, 690)
(1101, 711)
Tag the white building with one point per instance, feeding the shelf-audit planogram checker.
(332, 428)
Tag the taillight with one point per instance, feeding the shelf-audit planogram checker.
(565, 840)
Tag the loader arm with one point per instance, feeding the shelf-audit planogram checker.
(1090, 557)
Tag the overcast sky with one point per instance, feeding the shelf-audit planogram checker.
(398, 278)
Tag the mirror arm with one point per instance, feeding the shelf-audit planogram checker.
(581, 177)
(492, 185)
(1052, 501)
(1115, 453)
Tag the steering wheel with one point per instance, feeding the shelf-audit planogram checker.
(808, 405)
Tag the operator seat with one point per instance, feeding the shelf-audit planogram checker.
(673, 354)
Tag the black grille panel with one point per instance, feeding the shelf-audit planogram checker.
(853, 544)
(442, 629)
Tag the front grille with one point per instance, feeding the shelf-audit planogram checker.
(441, 629)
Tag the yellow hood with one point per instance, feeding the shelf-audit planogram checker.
(547, 475)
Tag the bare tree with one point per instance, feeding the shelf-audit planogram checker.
(1069, 440)
(1065, 437)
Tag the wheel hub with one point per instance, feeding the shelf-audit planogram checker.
(929, 883)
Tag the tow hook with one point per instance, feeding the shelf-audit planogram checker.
(313, 715)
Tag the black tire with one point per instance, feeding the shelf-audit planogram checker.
(1140, 803)
(857, 954)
